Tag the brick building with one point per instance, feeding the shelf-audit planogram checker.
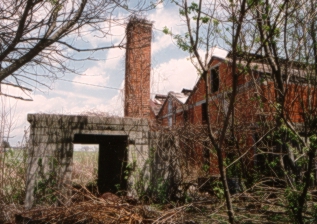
(255, 101)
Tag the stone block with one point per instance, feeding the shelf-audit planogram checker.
(44, 150)
(102, 132)
(52, 138)
(141, 141)
(135, 135)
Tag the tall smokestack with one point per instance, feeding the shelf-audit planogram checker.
(138, 68)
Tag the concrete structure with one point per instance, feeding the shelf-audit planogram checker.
(51, 150)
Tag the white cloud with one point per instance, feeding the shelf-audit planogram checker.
(15, 91)
(115, 34)
(114, 56)
(173, 75)
(95, 75)
(170, 76)
(66, 103)
(164, 17)
(162, 42)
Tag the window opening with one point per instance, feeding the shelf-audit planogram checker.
(204, 113)
(186, 116)
(214, 79)
(170, 112)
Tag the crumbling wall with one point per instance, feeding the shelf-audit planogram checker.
(50, 150)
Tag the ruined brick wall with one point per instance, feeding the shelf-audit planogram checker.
(300, 100)
(138, 68)
(255, 103)
(245, 112)
(177, 115)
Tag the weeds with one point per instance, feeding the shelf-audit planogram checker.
(13, 172)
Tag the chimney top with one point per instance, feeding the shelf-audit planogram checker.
(133, 20)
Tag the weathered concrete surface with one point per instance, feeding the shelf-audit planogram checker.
(51, 148)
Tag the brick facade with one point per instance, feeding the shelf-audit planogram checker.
(254, 103)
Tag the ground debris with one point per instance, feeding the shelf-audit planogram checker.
(96, 211)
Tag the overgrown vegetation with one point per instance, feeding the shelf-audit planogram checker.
(13, 171)
(264, 148)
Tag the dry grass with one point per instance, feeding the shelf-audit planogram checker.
(12, 183)
(250, 207)
(96, 211)
(13, 171)
(92, 210)
(85, 168)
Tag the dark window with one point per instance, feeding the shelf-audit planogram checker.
(204, 113)
(170, 112)
(214, 79)
(186, 115)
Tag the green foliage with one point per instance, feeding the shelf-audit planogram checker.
(313, 141)
(46, 186)
(162, 191)
(235, 169)
(137, 175)
(193, 7)
(183, 41)
(118, 187)
(206, 168)
(314, 213)
(293, 202)
(166, 30)
(217, 188)
(205, 19)
(129, 168)
(54, 2)
(216, 22)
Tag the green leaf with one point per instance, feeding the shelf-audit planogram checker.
(182, 12)
(166, 30)
(216, 22)
(205, 19)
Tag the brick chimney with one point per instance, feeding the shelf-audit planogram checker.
(138, 68)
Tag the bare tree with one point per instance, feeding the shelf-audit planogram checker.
(287, 34)
(38, 38)
(204, 20)
(280, 37)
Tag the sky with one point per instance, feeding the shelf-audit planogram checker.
(171, 71)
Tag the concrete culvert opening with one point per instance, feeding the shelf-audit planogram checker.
(112, 161)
